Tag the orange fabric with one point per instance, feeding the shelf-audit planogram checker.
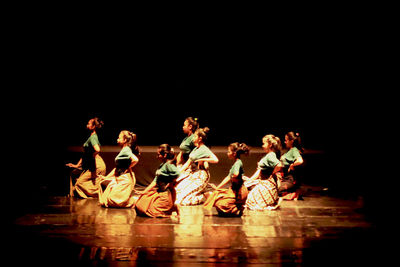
(227, 202)
(156, 204)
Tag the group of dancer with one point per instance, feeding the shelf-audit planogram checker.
(181, 180)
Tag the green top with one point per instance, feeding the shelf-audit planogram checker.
(92, 141)
(237, 182)
(187, 144)
(290, 156)
(123, 160)
(268, 163)
(200, 152)
(237, 167)
(88, 161)
(165, 174)
(125, 153)
(167, 169)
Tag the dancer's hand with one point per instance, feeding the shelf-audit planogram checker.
(71, 165)
(291, 167)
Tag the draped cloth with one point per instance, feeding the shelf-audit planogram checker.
(156, 203)
(117, 191)
(263, 196)
(189, 191)
(227, 201)
(264, 192)
(87, 184)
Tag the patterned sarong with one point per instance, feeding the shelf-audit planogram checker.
(263, 196)
(189, 190)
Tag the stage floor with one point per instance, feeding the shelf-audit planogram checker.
(318, 230)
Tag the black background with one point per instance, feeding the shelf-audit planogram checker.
(240, 84)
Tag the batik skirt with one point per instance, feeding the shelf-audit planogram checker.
(189, 191)
(263, 196)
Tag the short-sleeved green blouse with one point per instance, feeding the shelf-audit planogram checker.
(92, 141)
(268, 163)
(200, 152)
(88, 161)
(123, 159)
(187, 144)
(237, 167)
(125, 153)
(165, 174)
(290, 156)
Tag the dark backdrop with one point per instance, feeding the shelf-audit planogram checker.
(235, 106)
(239, 99)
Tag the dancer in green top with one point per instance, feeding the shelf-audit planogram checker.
(289, 186)
(116, 189)
(189, 127)
(194, 173)
(264, 195)
(230, 202)
(158, 199)
(90, 166)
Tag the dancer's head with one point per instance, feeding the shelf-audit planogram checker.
(293, 139)
(200, 136)
(271, 143)
(127, 138)
(94, 124)
(190, 125)
(165, 152)
(235, 150)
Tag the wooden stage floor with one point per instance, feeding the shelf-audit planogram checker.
(319, 230)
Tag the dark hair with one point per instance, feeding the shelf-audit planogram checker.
(239, 148)
(130, 139)
(97, 123)
(193, 122)
(203, 132)
(166, 150)
(296, 140)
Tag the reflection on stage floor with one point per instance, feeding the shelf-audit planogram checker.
(319, 229)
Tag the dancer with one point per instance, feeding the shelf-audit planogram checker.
(264, 195)
(230, 202)
(117, 187)
(189, 127)
(194, 173)
(158, 199)
(289, 187)
(91, 164)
